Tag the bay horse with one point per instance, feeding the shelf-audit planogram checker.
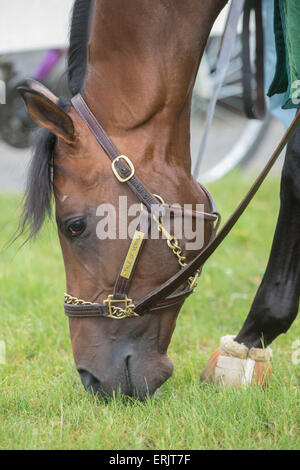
(135, 64)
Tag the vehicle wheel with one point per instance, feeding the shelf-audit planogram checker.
(237, 136)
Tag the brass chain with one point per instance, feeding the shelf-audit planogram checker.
(69, 299)
(173, 244)
(177, 250)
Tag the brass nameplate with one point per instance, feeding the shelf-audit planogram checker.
(132, 254)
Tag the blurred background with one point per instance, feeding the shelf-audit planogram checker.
(33, 44)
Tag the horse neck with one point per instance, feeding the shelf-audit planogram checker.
(142, 67)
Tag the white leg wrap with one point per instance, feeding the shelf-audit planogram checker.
(240, 350)
(233, 348)
(238, 367)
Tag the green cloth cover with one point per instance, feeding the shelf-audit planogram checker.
(287, 40)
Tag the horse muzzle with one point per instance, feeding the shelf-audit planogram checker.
(135, 378)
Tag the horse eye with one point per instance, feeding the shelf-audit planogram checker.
(77, 227)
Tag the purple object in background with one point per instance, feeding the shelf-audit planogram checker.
(51, 59)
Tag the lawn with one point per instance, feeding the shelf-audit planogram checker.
(42, 402)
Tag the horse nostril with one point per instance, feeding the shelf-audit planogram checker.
(89, 382)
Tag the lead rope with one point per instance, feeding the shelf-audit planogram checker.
(163, 296)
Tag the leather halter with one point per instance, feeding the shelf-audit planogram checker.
(163, 296)
(118, 305)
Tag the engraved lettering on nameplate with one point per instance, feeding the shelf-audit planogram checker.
(132, 254)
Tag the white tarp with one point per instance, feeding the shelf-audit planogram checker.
(27, 25)
(33, 24)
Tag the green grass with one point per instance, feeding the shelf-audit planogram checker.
(42, 402)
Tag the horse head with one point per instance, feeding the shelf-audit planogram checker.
(146, 115)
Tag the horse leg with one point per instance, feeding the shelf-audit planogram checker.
(277, 300)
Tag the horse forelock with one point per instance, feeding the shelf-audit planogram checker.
(39, 189)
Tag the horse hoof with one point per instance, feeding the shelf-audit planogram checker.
(233, 364)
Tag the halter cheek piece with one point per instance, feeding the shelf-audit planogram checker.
(118, 305)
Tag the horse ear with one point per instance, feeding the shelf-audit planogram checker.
(42, 107)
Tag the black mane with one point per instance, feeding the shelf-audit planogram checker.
(79, 34)
(38, 194)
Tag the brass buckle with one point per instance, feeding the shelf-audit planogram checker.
(117, 312)
(193, 280)
(160, 199)
(129, 163)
